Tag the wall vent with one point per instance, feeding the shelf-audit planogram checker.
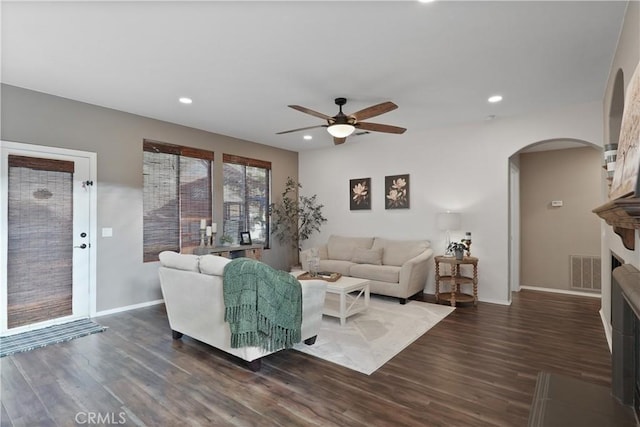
(585, 273)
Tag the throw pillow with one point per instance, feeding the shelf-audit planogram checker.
(178, 261)
(367, 256)
(213, 265)
(397, 252)
(341, 247)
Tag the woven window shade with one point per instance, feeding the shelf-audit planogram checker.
(233, 198)
(160, 204)
(177, 195)
(246, 197)
(245, 161)
(195, 199)
(40, 207)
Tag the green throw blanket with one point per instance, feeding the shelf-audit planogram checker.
(262, 305)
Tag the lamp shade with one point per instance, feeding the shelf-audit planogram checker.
(449, 221)
(340, 130)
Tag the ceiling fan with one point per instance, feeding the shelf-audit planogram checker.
(341, 125)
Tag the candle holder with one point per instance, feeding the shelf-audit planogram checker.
(468, 247)
(202, 233)
(467, 241)
(213, 239)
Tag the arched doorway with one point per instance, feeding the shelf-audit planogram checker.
(551, 228)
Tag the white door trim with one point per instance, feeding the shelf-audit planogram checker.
(22, 148)
(514, 228)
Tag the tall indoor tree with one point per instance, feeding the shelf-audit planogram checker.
(296, 217)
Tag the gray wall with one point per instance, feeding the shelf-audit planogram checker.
(122, 278)
(549, 235)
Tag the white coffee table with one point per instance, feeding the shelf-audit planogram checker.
(352, 297)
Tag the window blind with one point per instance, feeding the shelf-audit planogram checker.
(40, 214)
(177, 195)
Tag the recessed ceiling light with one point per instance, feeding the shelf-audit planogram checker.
(307, 137)
(185, 100)
(495, 98)
(426, 1)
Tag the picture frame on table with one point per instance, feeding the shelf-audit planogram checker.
(245, 238)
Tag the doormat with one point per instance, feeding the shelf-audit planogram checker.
(51, 335)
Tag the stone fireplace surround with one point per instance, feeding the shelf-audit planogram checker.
(625, 322)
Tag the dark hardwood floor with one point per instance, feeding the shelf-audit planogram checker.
(477, 367)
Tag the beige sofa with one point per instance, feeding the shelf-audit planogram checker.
(192, 290)
(396, 268)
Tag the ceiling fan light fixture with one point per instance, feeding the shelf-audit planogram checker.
(341, 130)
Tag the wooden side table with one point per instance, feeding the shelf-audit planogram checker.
(455, 279)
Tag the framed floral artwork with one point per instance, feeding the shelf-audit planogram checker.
(396, 192)
(360, 194)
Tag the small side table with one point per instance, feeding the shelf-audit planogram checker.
(455, 278)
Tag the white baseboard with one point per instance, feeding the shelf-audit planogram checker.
(495, 301)
(562, 291)
(608, 331)
(128, 307)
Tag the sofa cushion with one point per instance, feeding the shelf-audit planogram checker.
(178, 261)
(367, 256)
(382, 273)
(213, 264)
(322, 252)
(341, 247)
(397, 252)
(335, 266)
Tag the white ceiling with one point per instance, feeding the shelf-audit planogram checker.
(243, 62)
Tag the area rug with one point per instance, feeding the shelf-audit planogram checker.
(51, 335)
(370, 339)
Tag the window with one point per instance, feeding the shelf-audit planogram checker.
(246, 198)
(177, 195)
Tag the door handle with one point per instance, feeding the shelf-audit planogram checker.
(82, 246)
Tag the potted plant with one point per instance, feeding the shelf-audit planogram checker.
(295, 218)
(226, 240)
(457, 248)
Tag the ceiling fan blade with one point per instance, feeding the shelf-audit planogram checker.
(377, 127)
(308, 111)
(299, 129)
(338, 141)
(375, 110)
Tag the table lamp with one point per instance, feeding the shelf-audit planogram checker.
(448, 221)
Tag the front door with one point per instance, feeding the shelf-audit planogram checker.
(46, 238)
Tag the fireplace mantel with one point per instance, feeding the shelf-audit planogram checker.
(624, 216)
